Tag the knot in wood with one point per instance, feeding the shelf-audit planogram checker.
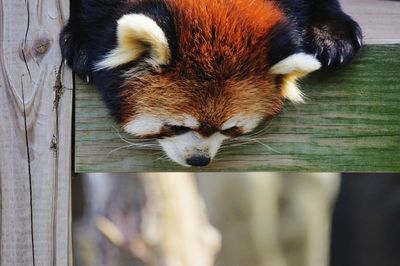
(41, 46)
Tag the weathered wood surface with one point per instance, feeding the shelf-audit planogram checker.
(379, 19)
(35, 135)
(350, 122)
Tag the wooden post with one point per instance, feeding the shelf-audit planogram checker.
(35, 134)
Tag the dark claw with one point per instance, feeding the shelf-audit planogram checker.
(73, 51)
(334, 39)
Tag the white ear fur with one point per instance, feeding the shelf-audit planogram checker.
(294, 67)
(299, 64)
(291, 91)
(137, 33)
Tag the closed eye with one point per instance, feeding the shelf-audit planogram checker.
(169, 131)
(232, 132)
(176, 130)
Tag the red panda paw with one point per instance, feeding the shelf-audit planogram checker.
(334, 38)
(74, 53)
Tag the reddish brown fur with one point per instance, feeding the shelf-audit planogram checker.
(221, 69)
(210, 102)
(221, 38)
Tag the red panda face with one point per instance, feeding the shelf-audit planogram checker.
(192, 118)
(219, 84)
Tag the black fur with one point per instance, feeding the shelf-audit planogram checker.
(315, 26)
(91, 33)
(322, 28)
(283, 42)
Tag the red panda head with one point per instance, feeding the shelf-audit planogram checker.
(229, 67)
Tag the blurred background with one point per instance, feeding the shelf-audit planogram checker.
(235, 219)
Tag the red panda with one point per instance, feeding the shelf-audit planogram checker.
(194, 73)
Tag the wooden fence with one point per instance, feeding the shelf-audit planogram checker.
(35, 135)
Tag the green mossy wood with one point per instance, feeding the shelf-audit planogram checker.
(351, 122)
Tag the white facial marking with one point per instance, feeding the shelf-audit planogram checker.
(249, 124)
(143, 125)
(231, 122)
(182, 147)
(214, 143)
(146, 124)
(300, 64)
(134, 30)
(190, 121)
(185, 120)
(246, 122)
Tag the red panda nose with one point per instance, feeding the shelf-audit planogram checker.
(198, 160)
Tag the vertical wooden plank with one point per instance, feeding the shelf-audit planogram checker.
(35, 134)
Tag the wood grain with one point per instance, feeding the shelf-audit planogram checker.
(379, 19)
(350, 122)
(35, 135)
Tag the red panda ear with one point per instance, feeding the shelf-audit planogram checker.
(292, 68)
(285, 55)
(137, 34)
(299, 64)
(287, 59)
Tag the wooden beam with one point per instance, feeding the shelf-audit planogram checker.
(379, 19)
(350, 122)
(35, 135)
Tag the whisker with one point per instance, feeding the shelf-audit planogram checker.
(120, 136)
(117, 149)
(265, 145)
(150, 140)
(237, 144)
(246, 140)
(261, 131)
(162, 157)
(147, 144)
(136, 146)
(157, 153)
